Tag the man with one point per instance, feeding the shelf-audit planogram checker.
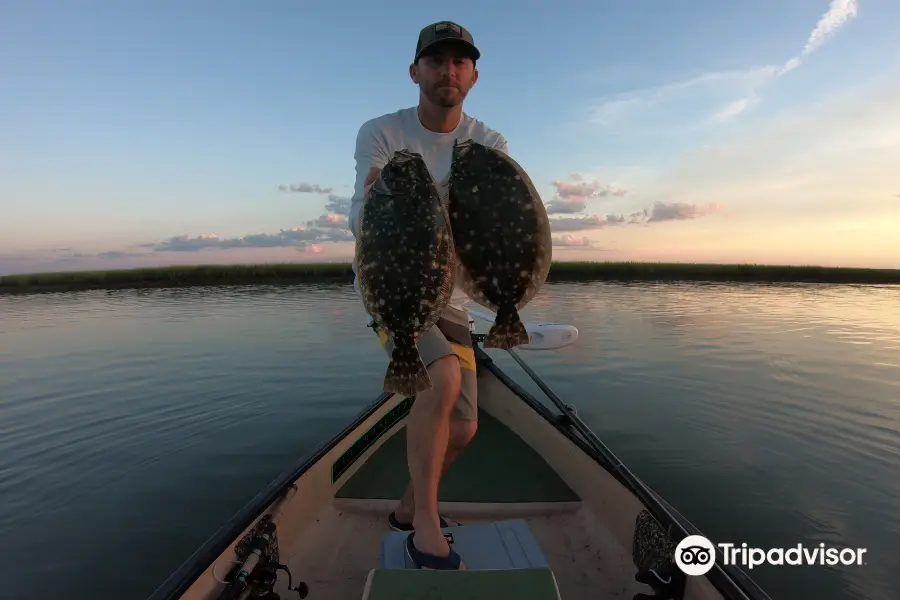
(443, 419)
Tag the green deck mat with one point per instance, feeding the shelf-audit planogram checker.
(409, 584)
(496, 466)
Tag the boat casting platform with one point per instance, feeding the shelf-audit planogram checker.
(521, 584)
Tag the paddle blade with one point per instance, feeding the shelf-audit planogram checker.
(549, 336)
(508, 330)
(406, 373)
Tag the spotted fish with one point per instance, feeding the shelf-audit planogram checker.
(405, 264)
(501, 234)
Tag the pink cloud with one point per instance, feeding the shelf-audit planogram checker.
(572, 196)
(330, 221)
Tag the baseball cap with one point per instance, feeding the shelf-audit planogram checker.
(444, 31)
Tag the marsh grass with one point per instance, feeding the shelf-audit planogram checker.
(643, 271)
(286, 273)
(178, 276)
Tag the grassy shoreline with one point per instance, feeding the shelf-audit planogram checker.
(287, 273)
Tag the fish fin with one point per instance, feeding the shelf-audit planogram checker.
(406, 373)
(508, 330)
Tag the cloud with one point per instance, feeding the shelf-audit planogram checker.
(660, 211)
(573, 242)
(330, 227)
(294, 237)
(330, 221)
(313, 237)
(578, 223)
(709, 96)
(847, 142)
(839, 13)
(680, 211)
(572, 196)
(114, 255)
(338, 204)
(716, 97)
(563, 206)
(734, 108)
(304, 188)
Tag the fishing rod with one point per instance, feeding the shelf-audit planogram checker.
(642, 490)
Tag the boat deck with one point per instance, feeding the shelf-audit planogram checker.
(336, 554)
(496, 466)
(498, 476)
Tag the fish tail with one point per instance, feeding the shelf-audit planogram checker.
(406, 373)
(508, 330)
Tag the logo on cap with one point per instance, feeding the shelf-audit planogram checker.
(446, 26)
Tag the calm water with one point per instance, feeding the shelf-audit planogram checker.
(133, 423)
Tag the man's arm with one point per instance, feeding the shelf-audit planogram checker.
(371, 156)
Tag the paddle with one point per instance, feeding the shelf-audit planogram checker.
(541, 336)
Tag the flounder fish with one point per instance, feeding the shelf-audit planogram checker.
(405, 264)
(501, 235)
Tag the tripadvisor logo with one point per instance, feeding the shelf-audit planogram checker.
(696, 555)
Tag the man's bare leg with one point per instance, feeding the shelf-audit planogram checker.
(461, 433)
(427, 437)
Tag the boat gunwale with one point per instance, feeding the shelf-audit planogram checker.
(187, 573)
(730, 580)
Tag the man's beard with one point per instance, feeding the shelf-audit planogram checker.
(436, 97)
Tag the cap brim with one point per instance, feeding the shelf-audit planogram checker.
(473, 51)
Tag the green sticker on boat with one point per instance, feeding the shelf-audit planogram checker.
(369, 437)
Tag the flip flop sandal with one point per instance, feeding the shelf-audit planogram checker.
(430, 562)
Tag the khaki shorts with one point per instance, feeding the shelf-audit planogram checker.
(450, 336)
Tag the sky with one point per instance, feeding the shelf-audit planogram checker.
(170, 132)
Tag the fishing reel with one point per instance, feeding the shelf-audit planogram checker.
(256, 572)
